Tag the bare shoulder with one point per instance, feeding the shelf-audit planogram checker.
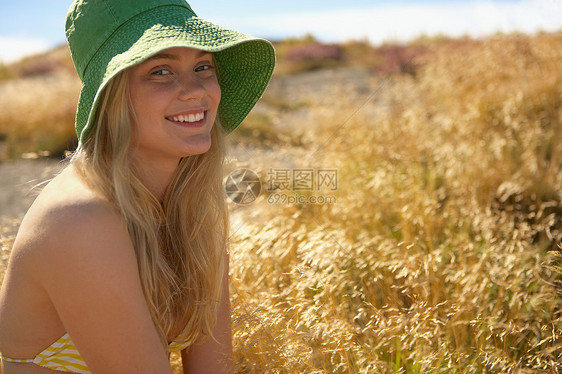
(67, 202)
(69, 229)
(68, 217)
(74, 245)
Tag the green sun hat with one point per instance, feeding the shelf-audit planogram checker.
(107, 36)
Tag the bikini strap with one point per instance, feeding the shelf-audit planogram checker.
(18, 360)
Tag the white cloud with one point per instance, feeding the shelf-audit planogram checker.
(403, 22)
(14, 48)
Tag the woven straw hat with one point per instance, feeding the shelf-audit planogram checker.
(107, 36)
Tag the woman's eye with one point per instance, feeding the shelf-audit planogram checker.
(203, 68)
(161, 72)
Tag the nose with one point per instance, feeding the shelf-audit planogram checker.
(190, 87)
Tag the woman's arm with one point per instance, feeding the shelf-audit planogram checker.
(85, 261)
(212, 356)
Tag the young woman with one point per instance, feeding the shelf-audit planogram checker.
(123, 256)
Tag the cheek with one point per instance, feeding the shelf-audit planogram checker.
(214, 91)
(137, 99)
(149, 102)
(143, 111)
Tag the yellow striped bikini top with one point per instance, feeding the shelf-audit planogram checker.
(62, 355)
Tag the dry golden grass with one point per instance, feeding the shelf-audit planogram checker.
(441, 253)
(37, 114)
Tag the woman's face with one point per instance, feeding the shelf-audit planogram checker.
(175, 96)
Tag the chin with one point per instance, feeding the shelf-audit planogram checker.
(200, 147)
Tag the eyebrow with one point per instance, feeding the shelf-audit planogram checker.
(160, 56)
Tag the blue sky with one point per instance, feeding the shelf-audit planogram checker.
(34, 25)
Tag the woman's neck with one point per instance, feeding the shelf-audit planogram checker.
(156, 176)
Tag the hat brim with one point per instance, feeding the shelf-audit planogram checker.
(244, 63)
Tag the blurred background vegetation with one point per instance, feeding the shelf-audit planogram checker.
(38, 94)
(441, 253)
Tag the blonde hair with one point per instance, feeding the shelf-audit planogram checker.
(180, 242)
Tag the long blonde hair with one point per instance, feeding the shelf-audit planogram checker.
(180, 242)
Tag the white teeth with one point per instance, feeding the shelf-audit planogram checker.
(188, 117)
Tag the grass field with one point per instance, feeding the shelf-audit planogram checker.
(440, 252)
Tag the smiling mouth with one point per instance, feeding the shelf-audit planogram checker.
(187, 118)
